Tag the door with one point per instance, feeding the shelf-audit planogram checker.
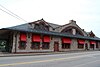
(56, 46)
(3, 46)
(86, 46)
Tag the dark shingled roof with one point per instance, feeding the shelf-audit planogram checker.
(54, 25)
(26, 28)
(50, 24)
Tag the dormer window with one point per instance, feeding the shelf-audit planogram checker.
(69, 31)
(36, 26)
(47, 28)
(78, 33)
(41, 26)
(91, 34)
(74, 31)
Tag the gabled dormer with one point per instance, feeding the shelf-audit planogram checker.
(40, 25)
(71, 28)
(91, 34)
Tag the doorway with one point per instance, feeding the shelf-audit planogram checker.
(4, 46)
(6, 41)
(86, 46)
(56, 46)
(92, 46)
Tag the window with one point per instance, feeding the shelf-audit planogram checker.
(35, 45)
(22, 45)
(80, 46)
(35, 41)
(81, 43)
(78, 33)
(66, 46)
(45, 45)
(22, 42)
(37, 26)
(97, 46)
(41, 27)
(3, 45)
(66, 42)
(47, 28)
(46, 42)
(91, 45)
(68, 31)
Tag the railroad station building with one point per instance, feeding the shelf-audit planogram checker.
(42, 36)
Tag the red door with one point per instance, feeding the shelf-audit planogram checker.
(56, 46)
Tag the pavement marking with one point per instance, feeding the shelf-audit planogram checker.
(86, 63)
(41, 61)
(49, 60)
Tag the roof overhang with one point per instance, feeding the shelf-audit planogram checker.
(53, 33)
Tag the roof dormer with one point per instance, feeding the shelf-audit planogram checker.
(91, 34)
(39, 25)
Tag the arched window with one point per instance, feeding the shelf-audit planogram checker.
(69, 30)
(41, 26)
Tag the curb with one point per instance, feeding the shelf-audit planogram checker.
(35, 54)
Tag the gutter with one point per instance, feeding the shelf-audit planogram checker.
(54, 33)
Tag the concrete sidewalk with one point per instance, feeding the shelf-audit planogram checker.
(34, 54)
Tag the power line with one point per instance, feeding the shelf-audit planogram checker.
(8, 13)
(11, 13)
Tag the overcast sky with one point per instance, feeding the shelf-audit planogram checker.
(86, 13)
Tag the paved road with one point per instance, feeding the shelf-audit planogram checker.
(84, 59)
